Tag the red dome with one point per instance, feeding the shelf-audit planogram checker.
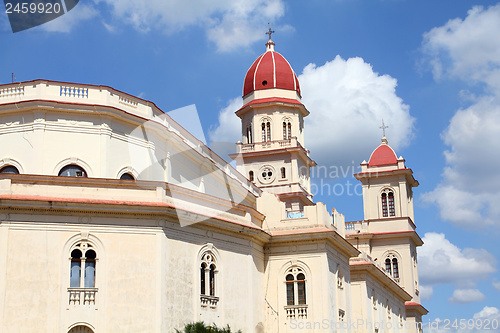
(270, 70)
(383, 155)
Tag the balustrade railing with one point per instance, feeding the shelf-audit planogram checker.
(296, 311)
(208, 301)
(82, 296)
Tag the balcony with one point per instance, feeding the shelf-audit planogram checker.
(269, 145)
(296, 312)
(82, 296)
(209, 301)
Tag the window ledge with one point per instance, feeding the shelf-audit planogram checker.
(209, 301)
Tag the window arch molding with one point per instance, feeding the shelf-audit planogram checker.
(395, 270)
(11, 162)
(388, 209)
(76, 161)
(129, 170)
(208, 267)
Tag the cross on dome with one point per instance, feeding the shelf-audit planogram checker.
(383, 127)
(270, 32)
(270, 43)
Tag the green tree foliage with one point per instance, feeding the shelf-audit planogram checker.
(200, 327)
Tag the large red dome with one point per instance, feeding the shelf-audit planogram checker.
(270, 70)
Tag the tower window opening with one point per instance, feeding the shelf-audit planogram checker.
(289, 131)
(388, 266)
(250, 176)
(264, 83)
(268, 128)
(249, 134)
(395, 268)
(284, 131)
(283, 173)
(384, 205)
(392, 211)
(263, 132)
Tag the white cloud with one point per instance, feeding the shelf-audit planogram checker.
(461, 296)
(68, 21)
(488, 312)
(496, 284)
(440, 261)
(426, 292)
(469, 49)
(230, 24)
(348, 101)
(228, 131)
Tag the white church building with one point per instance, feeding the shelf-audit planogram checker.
(114, 218)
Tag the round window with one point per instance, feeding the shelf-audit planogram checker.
(266, 174)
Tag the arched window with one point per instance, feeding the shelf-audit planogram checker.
(250, 176)
(72, 170)
(295, 281)
(82, 275)
(9, 169)
(268, 130)
(388, 207)
(263, 132)
(290, 293)
(83, 256)
(287, 130)
(127, 176)
(388, 266)
(392, 211)
(392, 266)
(395, 268)
(283, 173)
(208, 274)
(202, 278)
(249, 134)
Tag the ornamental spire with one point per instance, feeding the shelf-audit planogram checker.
(270, 43)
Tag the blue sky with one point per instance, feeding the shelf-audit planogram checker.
(430, 69)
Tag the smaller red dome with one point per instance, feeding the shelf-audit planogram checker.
(270, 70)
(383, 155)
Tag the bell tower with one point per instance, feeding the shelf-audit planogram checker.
(271, 152)
(388, 234)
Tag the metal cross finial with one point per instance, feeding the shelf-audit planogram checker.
(383, 127)
(270, 32)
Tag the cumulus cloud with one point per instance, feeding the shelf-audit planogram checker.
(228, 130)
(348, 101)
(440, 262)
(461, 296)
(496, 284)
(426, 292)
(230, 24)
(469, 49)
(68, 21)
